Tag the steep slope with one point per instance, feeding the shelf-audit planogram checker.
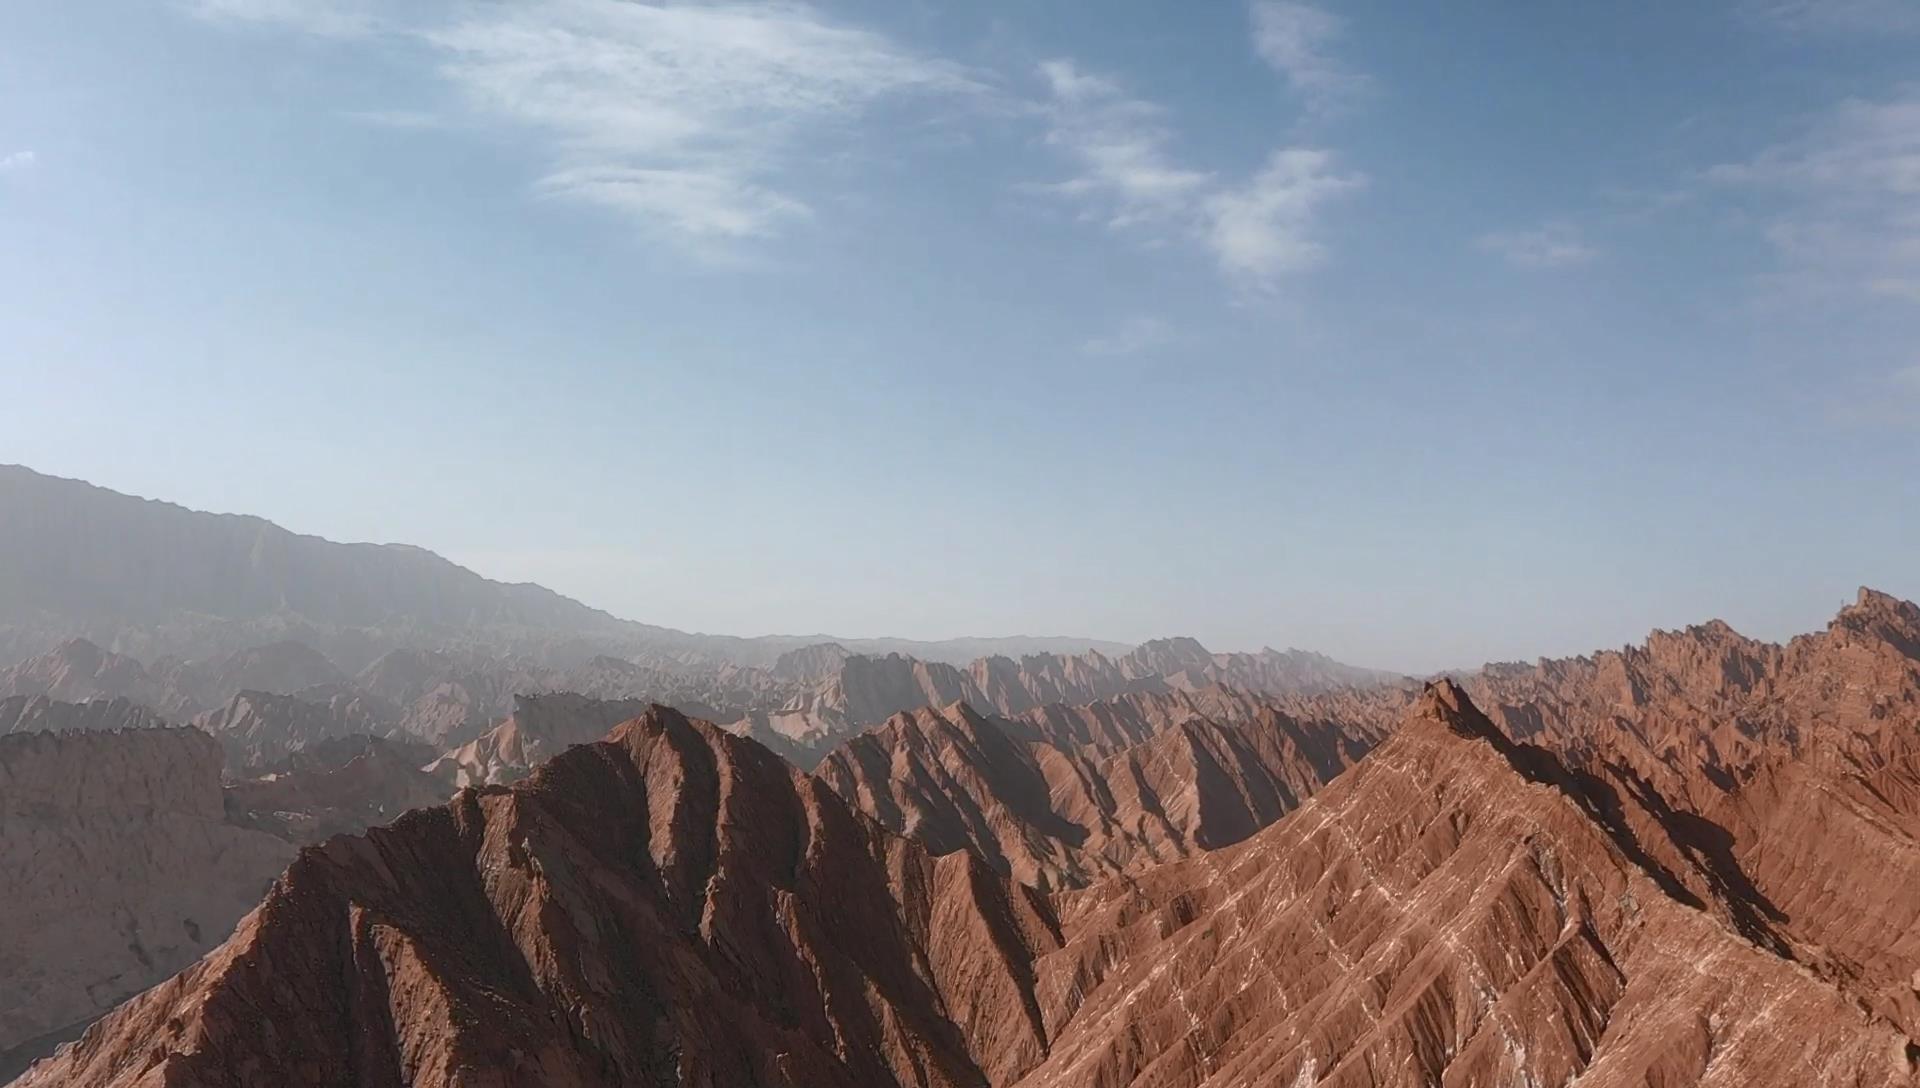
(1064, 795)
(117, 868)
(1456, 910)
(1793, 766)
(675, 905)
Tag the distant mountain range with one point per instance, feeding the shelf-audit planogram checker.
(157, 580)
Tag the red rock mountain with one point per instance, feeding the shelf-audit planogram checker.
(1455, 910)
(676, 905)
(1796, 768)
(1062, 795)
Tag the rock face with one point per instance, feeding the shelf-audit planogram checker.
(1061, 796)
(1795, 766)
(339, 786)
(118, 867)
(675, 905)
(35, 713)
(1457, 909)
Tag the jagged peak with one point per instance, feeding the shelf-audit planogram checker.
(1446, 702)
(1873, 604)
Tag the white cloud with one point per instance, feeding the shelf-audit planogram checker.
(1843, 198)
(1294, 38)
(18, 160)
(326, 18)
(1120, 143)
(1256, 231)
(680, 114)
(1263, 229)
(1554, 245)
(1848, 16)
(702, 204)
(684, 115)
(1135, 335)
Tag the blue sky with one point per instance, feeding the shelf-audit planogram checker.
(1419, 334)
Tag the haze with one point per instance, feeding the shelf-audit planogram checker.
(1418, 337)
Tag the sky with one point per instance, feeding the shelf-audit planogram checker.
(1421, 335)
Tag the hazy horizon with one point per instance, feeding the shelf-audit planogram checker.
(1416, 338)
(1094, 640)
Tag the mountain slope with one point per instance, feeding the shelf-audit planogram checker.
(1455, 910)
(673, 905)
(1792, 766)
(1063, 795)
(118, 867)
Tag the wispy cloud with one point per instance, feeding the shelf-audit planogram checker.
(1553, 245)
(1842, 16)
(1296, 40)
(1263, 229)
(688, 117)
(1135, 335)
(1120, 142)
(1842, 199)
(18, 160)
(680, 114)
(327, 18)
(1257, 230)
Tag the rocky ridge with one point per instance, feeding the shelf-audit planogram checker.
(1060, 796)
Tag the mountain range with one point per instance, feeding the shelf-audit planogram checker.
(475, 840)
(156, 580)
